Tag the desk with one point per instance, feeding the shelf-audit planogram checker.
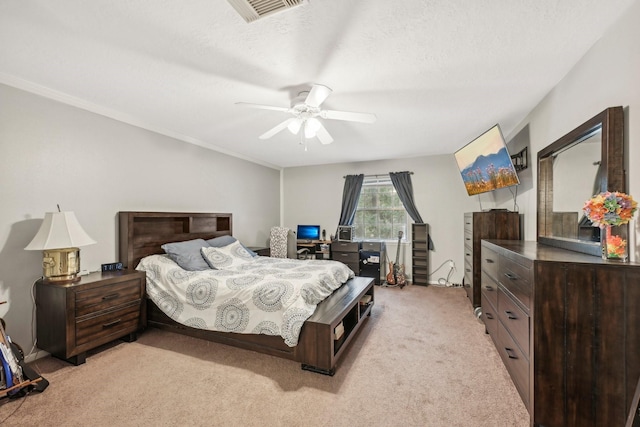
(314, 248)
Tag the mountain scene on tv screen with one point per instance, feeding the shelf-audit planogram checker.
(490, 172)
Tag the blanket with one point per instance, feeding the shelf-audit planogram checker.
(260, 295)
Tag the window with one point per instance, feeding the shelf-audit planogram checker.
(380, 214)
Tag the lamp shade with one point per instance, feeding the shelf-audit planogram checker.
(59, 230)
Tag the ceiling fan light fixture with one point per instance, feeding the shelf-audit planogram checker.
(311, 127)
(294, 126)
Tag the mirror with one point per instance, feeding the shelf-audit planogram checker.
(584, 162)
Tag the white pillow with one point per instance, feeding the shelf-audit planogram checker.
(228, 256)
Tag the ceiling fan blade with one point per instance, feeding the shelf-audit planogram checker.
(323, 135)
(348, 116)
(268, 134)
(317, 95)
(263, 107)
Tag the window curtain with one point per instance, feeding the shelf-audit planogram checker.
(402, 183)
(350, 197)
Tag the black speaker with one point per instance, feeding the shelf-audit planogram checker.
(324, 234)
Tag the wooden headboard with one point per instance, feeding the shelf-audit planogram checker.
(143, 233)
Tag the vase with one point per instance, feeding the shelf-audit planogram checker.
(614, 243)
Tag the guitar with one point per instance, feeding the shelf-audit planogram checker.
(396, 270)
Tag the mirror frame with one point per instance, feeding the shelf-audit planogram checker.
(611, 122)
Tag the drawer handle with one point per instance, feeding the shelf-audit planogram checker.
(112, 323)
(488, 316)
(467, 254)
(488, 288)
(110, 296)
(511, 276)
(510, 353)
(511, 315)
(466, 238)
(467, 270)
(489, 261)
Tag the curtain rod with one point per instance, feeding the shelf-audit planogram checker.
(377, 175)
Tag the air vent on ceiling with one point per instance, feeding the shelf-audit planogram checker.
(252, 10)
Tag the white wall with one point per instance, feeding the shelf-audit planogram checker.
(606, 76)
(51, 153)
(313, 195)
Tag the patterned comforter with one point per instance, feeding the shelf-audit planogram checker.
(259, 295)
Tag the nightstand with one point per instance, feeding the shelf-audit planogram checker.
(75, 317)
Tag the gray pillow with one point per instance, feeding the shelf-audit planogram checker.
(222, 241)
(187, 254)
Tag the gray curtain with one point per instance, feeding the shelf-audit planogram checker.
(350, 197)
(402, 183)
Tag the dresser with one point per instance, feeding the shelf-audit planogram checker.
(76, 317)
(566, 327)
(478, 226)
(347, 253)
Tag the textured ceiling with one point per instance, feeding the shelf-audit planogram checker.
(435, 72)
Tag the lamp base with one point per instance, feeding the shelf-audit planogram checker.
(61, 265)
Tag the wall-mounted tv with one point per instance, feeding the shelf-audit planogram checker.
(485, 164)
(308, 232)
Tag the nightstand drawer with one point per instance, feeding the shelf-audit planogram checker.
(104, 297)
(103, 327)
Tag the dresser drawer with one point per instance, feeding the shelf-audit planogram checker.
(468, 273)
(489, 262)
(516, 278)
(104, 327)
(354, 266)
(515, 361)
(371, 246)
(468, 239)
(515, 320)
(345, 246)
(489, 289)
(468, 256)
(490, 317)
(468, 222)
(100, 298)
(347, 257)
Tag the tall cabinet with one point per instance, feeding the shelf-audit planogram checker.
(484, 225)
(420, 253)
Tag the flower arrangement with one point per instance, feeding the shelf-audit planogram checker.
(610, 208)
(607, 210)
(616, 247)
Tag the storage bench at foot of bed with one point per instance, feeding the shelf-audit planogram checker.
(346, 309)
(317, 350)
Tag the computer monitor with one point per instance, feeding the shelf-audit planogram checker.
(308, 232)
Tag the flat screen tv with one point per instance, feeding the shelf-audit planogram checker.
(308, 232)
(485, 164)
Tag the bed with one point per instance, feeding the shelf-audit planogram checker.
(323, 338)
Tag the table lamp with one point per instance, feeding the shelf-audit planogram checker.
(59, 238)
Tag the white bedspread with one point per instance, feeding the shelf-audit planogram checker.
(271, 296)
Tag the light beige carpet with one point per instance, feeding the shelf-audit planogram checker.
(422, 359)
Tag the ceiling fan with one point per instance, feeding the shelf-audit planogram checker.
(306, 112)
